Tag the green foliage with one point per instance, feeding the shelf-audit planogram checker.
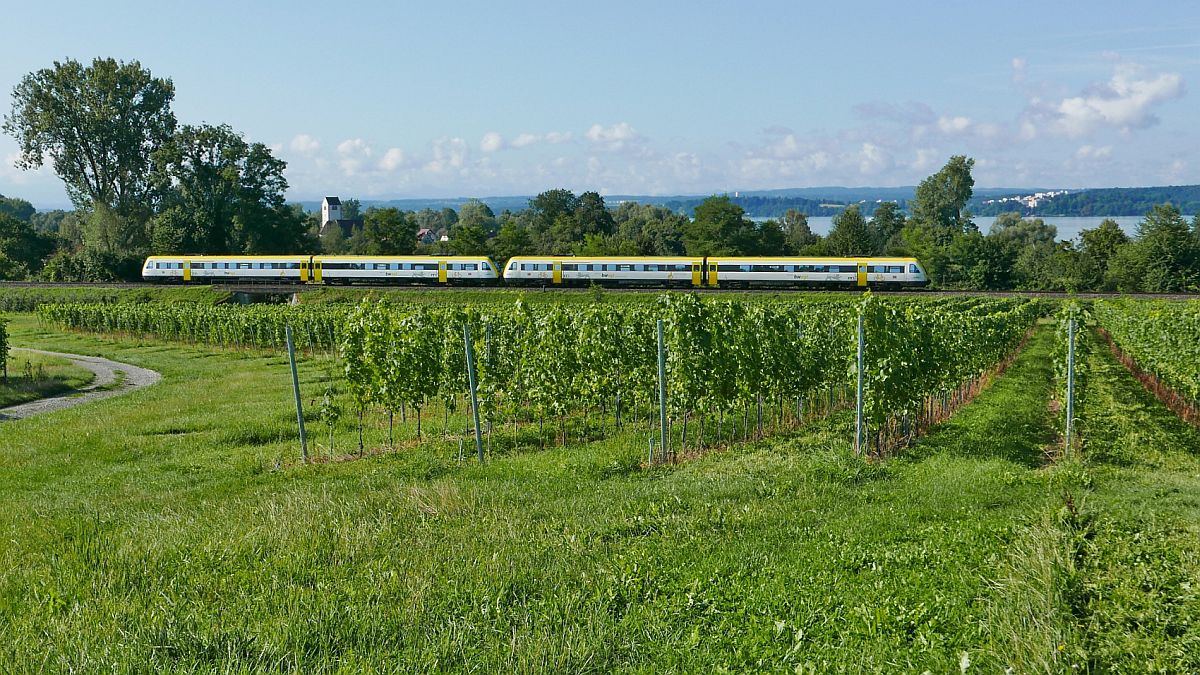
(66, 113)
(1077, 368)
(850, 235)
(941, 199)
(1162, 337)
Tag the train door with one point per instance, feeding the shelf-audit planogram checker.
(316, 271)
(712, 274)
(303, 271)
(697, 274)
(862, 274)
(441, 271)
(556, 266)
(187, 270)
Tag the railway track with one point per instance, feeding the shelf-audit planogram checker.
(272, 289)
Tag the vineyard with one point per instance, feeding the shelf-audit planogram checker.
(733, 369)
(940, 516)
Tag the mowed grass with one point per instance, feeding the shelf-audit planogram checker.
(170, 529)
(33, 376)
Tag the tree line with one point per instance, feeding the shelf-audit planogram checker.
(142, 183)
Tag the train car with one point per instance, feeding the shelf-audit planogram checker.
(884, 273)
(322, 269)
(657, 272)
(415, 269)
(210, 268)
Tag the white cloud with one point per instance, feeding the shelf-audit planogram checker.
(556, 137)
(354, 154)
(1093, 152)
(491, 142)
(872, 159)
(954, 125)
(305, 144)
(448, 154)
(392, 159)
(1125, 102)
(1019, 70)
(614, 137)
(523, 140)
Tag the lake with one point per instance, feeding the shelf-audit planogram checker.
(1069, 227)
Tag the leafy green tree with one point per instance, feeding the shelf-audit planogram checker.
(1098, 247)
(719, 227)
(593, 216)
(21, 247)
(771, 239)
(1167, 250)
(474, 214)
(800, 236)
(98, 125)
(17, 208)
(941, 199)
(850, 235)
(981, 262)
(654, 229)
(351, 208)
(1011, 229)
(388, 231)
(333, 240)
(886, 224)
(513, 239)
(227, 193)
(467, 238)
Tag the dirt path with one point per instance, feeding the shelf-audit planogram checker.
(105, 385)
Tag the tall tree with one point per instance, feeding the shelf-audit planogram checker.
(593, 216)
(850, 235)
(886, 224)
(1167, 251)
(941, 199)
(719, 227)
(800, 237)
(351, 208)
(1098, 247)
(98, 125)
(388, 231)
(17, 208)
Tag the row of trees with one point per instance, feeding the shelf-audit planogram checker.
(139, 181)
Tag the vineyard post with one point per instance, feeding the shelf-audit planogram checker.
(474, 388)
(858, 406)
(1070, 384)
(296, 390)
(662, 391)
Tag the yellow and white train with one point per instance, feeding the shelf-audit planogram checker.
(547, 271)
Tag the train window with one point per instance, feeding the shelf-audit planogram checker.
(895, 269)
(570, 267)
(243, 266)
(912, 269)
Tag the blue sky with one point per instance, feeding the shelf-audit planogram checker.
(394, 99)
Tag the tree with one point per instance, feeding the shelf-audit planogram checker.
(227, 194)
(98, 125)
(1167, 251)
(654, 229)
(388, 231)
(21, 248)
(886, 224)
(941, 199)
(719, 228)
(17, 208)
(513, 239)
(545, 209)
(849, 235)
(593, 216)
(351, 209)
(476, 214)
(1098, 247)
(800, 236)
(1013, 230)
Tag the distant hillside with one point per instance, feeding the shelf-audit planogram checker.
(1097, 202)
(829, 201)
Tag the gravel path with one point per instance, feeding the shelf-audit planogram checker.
(102, 387)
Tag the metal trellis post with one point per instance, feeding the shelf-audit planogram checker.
(1070, 385)
(858, 406)
(296, 390)
(474, 389)
(662, 391)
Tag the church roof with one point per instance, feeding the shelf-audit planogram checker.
(333, 201)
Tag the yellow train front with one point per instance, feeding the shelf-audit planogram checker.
(322, 269)
(716, 271)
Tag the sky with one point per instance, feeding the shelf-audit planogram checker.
(379, 99)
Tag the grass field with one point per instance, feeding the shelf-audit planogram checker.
(172, 529)
(32, 376)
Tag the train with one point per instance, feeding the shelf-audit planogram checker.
(892, 273)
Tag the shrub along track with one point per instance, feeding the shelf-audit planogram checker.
(112, 379)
